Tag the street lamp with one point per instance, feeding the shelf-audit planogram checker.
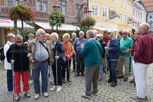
(56, 8)
(88, 13)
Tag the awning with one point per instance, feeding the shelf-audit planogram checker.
(10, 24)
(64, 27)
(103, 29)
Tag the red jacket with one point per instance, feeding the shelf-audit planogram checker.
(144, 49)
(106, 40)
(134, 45)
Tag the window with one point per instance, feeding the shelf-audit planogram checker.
(125, 4)
(42, 5)
(151, 15)
(121, 17)
(129, 6)
(10, 2)
(121, 2)
(133, 11)
(63, 6)
(77, 8)
(95, 10)
(112, 0)
(141, 15)
(138, 13)
(125, 19)
(105, 12)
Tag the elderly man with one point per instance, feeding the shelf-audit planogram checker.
(7, 65)
(92, 52)
(126, 44)
(143, 56)
(41, 56)
(72, 41)
(79, 57)
(113, 53)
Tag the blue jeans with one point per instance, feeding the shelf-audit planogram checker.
(73, 56)
(43, 67)
(101, 69)
(112, 69)
(9, 80)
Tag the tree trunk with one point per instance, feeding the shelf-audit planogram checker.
(15, 27)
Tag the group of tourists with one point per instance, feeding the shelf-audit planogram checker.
(91, 57)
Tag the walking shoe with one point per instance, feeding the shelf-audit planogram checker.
(82, 74)
(37, 96)
(53, 88)
(113, 84)
(59, 88)
(125, 79)
(109, 81)
(45, 94)
(69, 80)
(17, 97)
(138, 99)
(86, 96)
(27, 94)
(96, 94)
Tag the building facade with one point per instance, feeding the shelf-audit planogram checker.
(139, 15)
(112, 14)
(72, 9)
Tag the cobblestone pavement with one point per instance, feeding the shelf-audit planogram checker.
(72, 91)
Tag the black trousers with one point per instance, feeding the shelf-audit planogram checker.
(67, 66)
(59, 76)
(80, 64)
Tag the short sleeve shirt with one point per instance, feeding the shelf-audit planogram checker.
(126, 44)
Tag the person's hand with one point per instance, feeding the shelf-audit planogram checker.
(56, 57)
(75, 53)
(106, 48)
(123, 52)
(12, 61)
(33, 60)
(82, 45)
(29, 55)
(68, 57)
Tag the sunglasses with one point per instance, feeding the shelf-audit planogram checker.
(19, 41)
(108, 33)
(123, 33)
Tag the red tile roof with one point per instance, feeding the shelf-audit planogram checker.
(148, 5)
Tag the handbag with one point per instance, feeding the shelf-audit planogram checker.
(99, 52)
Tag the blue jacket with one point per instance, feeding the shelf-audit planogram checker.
(91, 54)
(114, 50)
(60, 50)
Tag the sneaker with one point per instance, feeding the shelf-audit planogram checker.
(113, 84)
(37, 96)
(27, 94)
(63, 80)
(17, 97)
(59, 88)
(86, 96)
(45, 94)
(138, 99)
(53, 88)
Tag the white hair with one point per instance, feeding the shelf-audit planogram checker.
(10, 35)
(73, 33)
(90, 33)
(125, 31)
(81, 32)
(145, 26)
(55, 34)
(39, 31)
(95, 31)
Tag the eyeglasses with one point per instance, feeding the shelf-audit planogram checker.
(19, 41)
(123, 33)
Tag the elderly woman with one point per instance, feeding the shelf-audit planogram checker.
(17, 56)
(100, 39)
(7, 65)
(68, 48)
(57, 47)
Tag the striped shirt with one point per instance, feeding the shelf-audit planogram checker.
(41, 52)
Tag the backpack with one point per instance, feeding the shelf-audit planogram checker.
(2, 57)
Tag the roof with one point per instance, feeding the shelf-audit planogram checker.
(148, 5)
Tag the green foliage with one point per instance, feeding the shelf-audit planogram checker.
(56, 18)
(88, 22)
(24, 33)
(21, 12)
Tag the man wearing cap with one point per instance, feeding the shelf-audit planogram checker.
(113, 53)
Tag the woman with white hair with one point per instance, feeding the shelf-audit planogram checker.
(57, 47)
(7, 65)
(100, 39)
